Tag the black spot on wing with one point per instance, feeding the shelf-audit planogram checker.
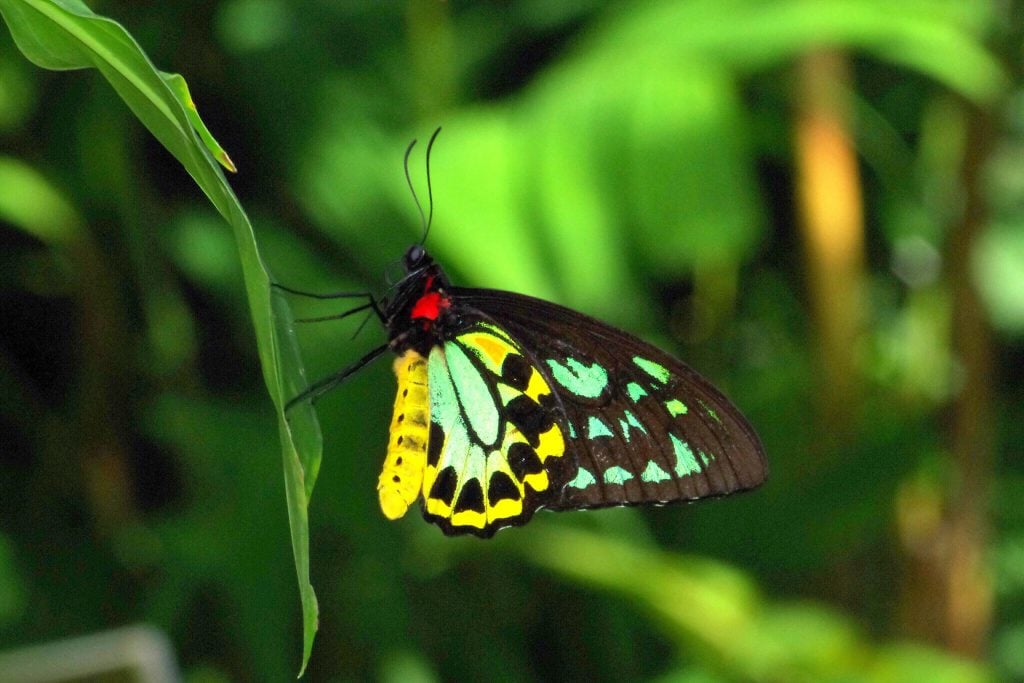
(434, 443)
(471, 497)
(529, 417)
(444, 486)
(501, 488)
(523, 460)
(516, 371)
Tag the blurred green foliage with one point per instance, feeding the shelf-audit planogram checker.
(634, 162)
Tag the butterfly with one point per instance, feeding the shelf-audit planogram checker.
(507, 404)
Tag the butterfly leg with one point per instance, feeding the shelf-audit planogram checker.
(322, 386)
(371, 302)
(341, 316)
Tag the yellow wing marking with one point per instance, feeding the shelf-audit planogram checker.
(489, 348)
(537, 386)
(552, 445)
(469, 518)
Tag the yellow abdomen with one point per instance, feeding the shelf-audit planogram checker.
(402, 476)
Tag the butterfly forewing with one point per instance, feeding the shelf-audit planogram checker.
(641, 425)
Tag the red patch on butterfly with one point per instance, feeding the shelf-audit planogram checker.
(429, 306)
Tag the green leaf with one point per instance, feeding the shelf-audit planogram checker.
(65, 34)
(180, 88)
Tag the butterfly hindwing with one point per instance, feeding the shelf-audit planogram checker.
(496, 448)
(642, 426)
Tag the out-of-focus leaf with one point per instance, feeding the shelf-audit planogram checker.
(570, 203)
(30, 202)
(1009, 566)
(17, 94)
(674, 127)
(1009, 651)
(406, 667)
(750, 34)
(204, 251)
(699, 599)
(65, 34)
(600, 181)
(204, 541)
(693, 193)
(248, 26)
(482, 220)
(918, 664)
(717, 615)
(998, 265)
(12, 589)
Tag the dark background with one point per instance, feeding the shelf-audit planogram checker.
(820, 206)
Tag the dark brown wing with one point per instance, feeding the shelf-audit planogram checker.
(643, 426)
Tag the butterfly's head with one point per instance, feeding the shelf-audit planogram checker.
(419, 310)
(416, 258)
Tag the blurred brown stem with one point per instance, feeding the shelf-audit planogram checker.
(829, 196)
(102, 386)
(968, 588)
(948, 596)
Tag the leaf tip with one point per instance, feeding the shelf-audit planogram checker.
(226, 162)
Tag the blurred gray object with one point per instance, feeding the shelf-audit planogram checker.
(133, 653)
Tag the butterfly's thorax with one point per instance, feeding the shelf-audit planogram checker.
(420, 315)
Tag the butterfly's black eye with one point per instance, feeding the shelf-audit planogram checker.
(414, 257)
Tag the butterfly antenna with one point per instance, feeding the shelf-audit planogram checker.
(408, 181)
(430, 189)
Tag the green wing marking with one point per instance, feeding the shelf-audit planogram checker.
(635, 391)
(588, 381)
(596, 428)
(655, 370)
(617, 475)
(630, 422)
(473, 393)
(654, 474)
(583, 479)
(676, 407)
(686, 463)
